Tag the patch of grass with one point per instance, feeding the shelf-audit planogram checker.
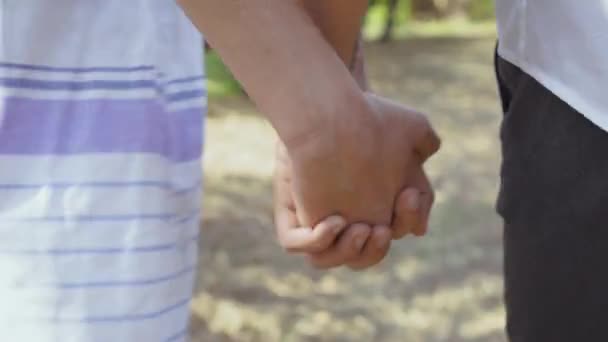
(221, 83)
(480, 10)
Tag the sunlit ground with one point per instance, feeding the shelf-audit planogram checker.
(444, 287)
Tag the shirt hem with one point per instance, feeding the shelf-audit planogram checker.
(561, 90)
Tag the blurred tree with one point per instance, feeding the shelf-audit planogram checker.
(432, 9)
(390, 22)
(392, 7)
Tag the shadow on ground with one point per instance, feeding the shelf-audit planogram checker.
(445, 287)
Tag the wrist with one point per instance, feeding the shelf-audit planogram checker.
(349, 120)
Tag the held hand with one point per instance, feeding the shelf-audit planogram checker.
(331, 243)
(356, 168)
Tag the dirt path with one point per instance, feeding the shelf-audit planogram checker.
(445, 287)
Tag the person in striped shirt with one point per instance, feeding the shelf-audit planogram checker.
(101, 128)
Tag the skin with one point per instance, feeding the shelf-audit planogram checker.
(328, 245)
(331, 243)
(339, 22)
(346, 152)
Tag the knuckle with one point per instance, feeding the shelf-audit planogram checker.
(436, 140)
(427, 137)
(435, 144)
(424, 126)
(421, 121)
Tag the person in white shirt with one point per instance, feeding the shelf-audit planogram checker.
(552, 68)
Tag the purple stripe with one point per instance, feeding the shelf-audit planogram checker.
(108, 250)
(36, 84)
(103, 185)
(186, 80)
(24, 83)
(91, 218)
(75, 70)
(166, 217)
(186, 95)
(125, 318)
(126, 283)
(63, 127)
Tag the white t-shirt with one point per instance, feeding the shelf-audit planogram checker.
(564, 45)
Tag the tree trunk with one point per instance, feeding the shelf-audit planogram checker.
(387, 35)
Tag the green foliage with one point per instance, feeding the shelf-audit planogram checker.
(378, 11)
(378, 16)
(445, 17)
(481, 10)
(220, 79)
(222, 83)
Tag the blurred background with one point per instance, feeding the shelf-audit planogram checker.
(436, 56)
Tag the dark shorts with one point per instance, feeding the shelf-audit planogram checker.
(554, 201)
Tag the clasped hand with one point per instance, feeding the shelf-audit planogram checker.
(353, 185)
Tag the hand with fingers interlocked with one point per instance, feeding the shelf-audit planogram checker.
(351, 164)
(362, 240)
(399, 204)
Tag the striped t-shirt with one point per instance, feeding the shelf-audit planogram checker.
(101, 119)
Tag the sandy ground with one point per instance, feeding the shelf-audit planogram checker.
(445, 287)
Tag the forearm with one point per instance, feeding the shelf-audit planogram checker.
(280, 57)
(340, 22)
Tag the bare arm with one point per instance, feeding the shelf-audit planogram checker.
(350, 152)
(270, 45)
(340, 22)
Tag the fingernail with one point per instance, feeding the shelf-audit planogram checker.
(337, 223)
(413, 200)
(337, 229)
